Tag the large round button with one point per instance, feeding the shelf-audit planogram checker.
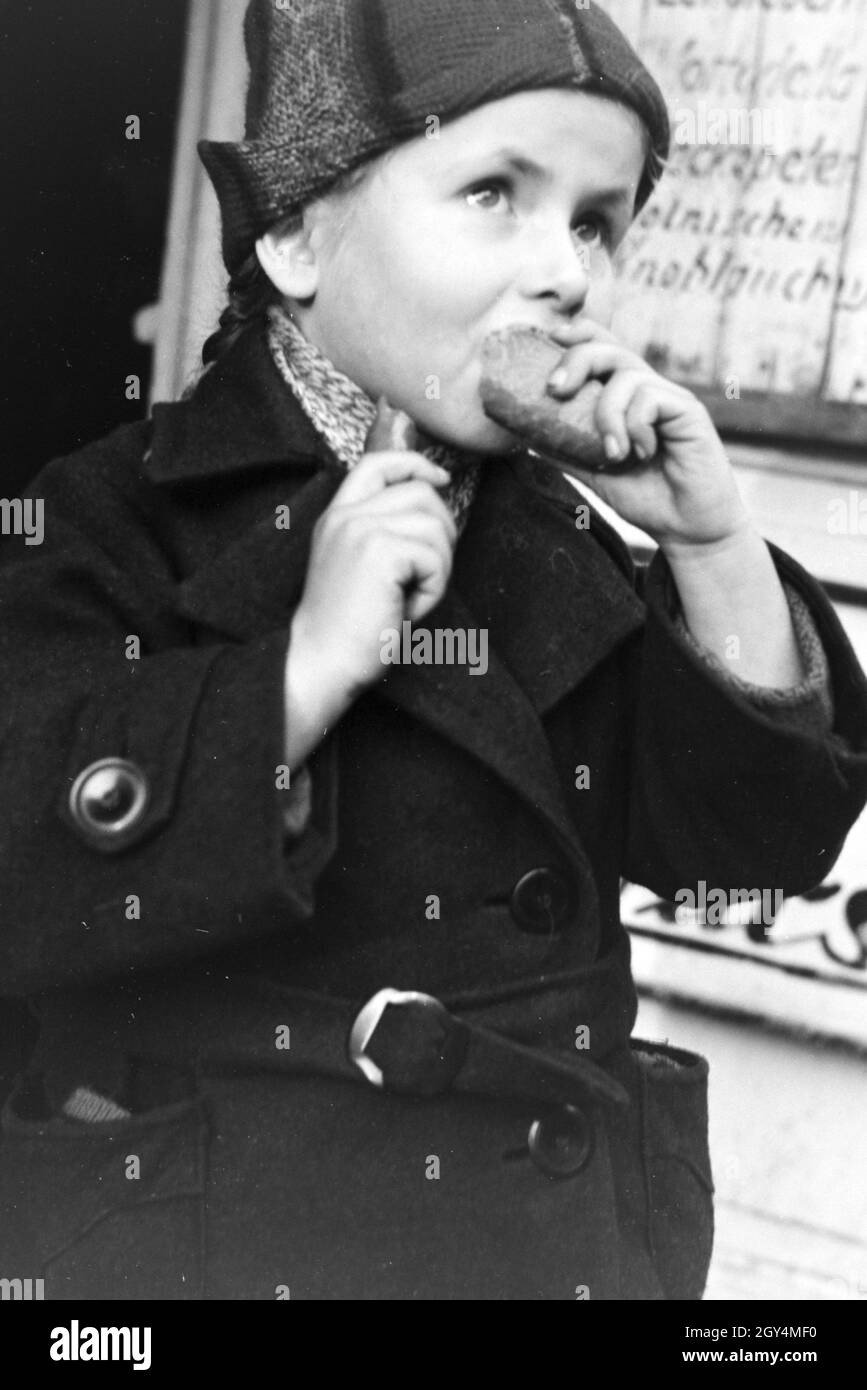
(541, 901)
(108, 798)
(562, 1142)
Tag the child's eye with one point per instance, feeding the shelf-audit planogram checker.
(490, 197)
(592, 231)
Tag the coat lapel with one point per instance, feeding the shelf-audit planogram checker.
(553, 604)
(556, 599)
(550, 598)
(254, 585)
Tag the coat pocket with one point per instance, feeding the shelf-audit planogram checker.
(105, 1211)
(677, 1166)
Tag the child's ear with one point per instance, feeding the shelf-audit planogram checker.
(289, 260)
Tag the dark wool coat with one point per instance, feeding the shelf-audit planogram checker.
(159, 966)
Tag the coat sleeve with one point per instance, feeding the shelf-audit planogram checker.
(208, 863)
(808, 705)
(724, 791)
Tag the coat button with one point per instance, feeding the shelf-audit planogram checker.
(541, 901)
(108, 798)
(562, 1142)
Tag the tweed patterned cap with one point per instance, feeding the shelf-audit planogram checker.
(335, 82)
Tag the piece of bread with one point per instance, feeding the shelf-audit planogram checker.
(516, 365)
(391, 429)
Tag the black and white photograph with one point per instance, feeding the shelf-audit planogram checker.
(433, 625)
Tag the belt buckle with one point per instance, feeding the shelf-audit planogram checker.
(367, 1021)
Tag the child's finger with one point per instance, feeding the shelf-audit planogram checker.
(581, 330)
(419, 530)
(426, 595)
(587, 360)
(410, 499)
(611, 411)
(378, 471)
(423, 575)
(642, 414)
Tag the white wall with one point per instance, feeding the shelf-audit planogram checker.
(194, 278)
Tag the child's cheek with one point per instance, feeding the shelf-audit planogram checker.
(600, 301)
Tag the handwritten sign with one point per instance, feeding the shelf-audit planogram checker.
(746, 275)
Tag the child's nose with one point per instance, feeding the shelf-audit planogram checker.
(556, 268)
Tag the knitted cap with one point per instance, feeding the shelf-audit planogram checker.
(335, 82)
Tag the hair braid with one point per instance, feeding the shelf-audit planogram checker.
(250, 294)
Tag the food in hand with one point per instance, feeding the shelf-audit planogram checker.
(517, 363)
(391, 430)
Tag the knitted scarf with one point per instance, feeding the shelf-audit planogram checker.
(342, 413)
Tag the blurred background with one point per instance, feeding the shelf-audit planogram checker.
(84, 216)
(746, 277)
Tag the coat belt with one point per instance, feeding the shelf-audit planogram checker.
(405, 1042)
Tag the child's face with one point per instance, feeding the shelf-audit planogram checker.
(510, 215)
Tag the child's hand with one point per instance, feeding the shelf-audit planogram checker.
(685, 493)
(382, 552)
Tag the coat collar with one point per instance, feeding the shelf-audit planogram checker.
(241, 413)
(555, 600)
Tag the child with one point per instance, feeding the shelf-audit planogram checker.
(231, 822)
